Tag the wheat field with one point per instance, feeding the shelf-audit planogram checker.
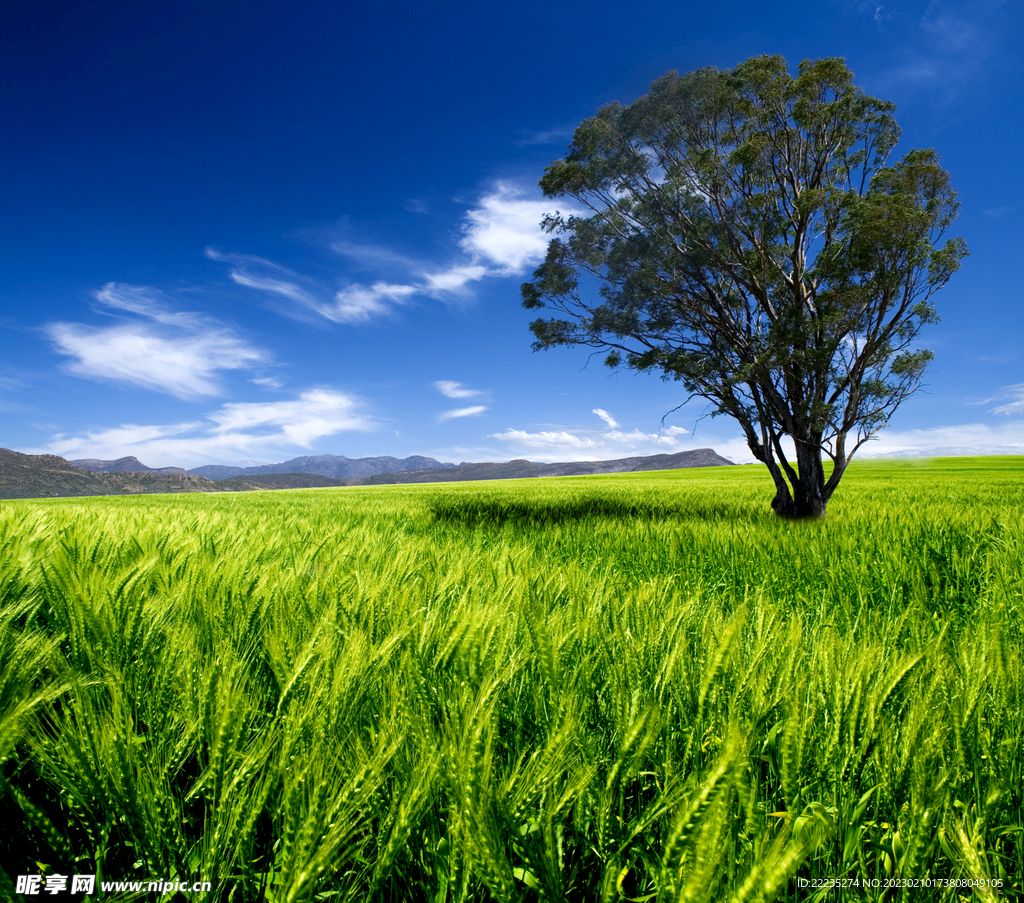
(628, 687)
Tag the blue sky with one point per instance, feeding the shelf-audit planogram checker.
(242, 232)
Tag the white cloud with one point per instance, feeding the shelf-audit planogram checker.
(178, 353)
(236, 433)
(315, 413)
(1013, 407)
(965, 439)
(592, 445)
(501, 236)
(354, 303)
(358, 303)
(451, 389)
(504, 229)
(548, 440)
(453, 280)
(462, 412)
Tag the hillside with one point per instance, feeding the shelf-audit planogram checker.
(50, 476)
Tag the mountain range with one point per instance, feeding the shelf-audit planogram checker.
(336, 466)
(520, 468)
(50, 476)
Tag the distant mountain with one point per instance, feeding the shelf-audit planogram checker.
(337, 467)
(131, 464)
(49, 476)
(520, 468)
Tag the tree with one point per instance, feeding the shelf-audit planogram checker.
(744, 234)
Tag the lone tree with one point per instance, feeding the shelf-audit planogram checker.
(746, 237)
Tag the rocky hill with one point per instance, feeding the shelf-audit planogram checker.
(49, 476)
(130, 464)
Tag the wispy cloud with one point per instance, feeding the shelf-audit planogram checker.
(558, 135)
(355, 303)
(462, 412)
(275, 286)
(1016, 406)
(178, 353)
(13, 383)
(239, 432)
(582, 444)
(10, 386)
(500, 237)
(416, 205)
(305, 299)
(359, 303)
(369, 256)
(452, 281)
(300, 421)
(263, 275)
(955, 45)
(451, 389)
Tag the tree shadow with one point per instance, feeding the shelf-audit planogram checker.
(496, 513)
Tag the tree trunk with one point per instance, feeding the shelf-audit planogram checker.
(808, 498)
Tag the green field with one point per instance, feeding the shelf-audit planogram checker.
(637, 686)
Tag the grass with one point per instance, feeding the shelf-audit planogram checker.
(639, 687)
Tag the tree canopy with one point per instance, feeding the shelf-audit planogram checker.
(745, 234)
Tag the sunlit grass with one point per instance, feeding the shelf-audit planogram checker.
(587, 688)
